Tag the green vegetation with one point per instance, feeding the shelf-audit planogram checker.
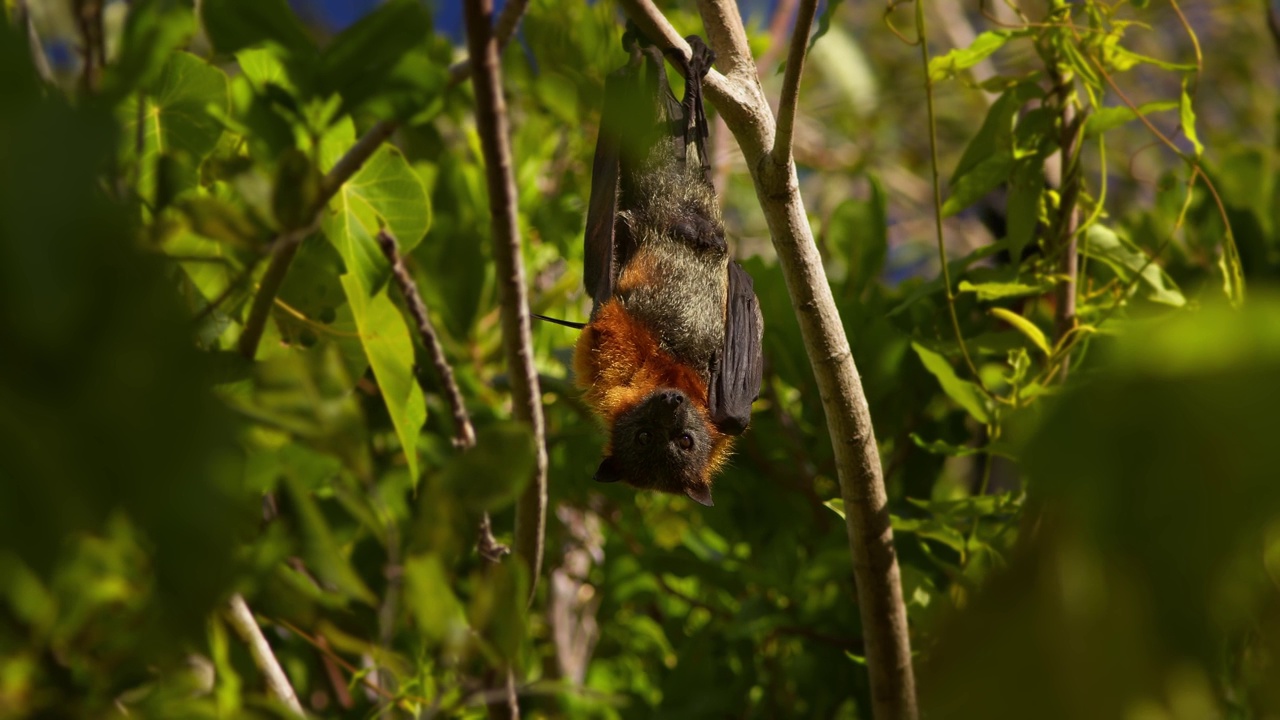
(1075, 402)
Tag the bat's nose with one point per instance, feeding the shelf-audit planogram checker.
(673, 398)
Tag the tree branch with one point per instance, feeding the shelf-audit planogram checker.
(517, 339)
(875, 565)
(241, 619)
(464, 434)
(89, 21)
(790, 100)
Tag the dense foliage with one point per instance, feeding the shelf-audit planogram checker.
(1086, 503)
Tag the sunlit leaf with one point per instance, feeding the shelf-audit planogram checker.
(1104, 244)
(175, 120)
(945, 66)
(1188, 119)
(1105, 119)
(1024, 326)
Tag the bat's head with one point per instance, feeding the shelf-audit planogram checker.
(665, 442)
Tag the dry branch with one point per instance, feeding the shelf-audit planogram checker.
(738, 97)
(243, 622)
(517, 338)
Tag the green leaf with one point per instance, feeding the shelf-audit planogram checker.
(1026, 194)
(968, 395)
(175, 120)
(989, 291)
(389, 347)
(978, 181)
(1112, 117)
(930, 529)
(1125, 259)
(837, 506)
(1025, 326)
(942, 447)
(1188, 114)
(429, 597)
(153, 29)
(949, 65)
(996, 133)
(1122, 59)
(324, 556)
(386, 192)
(234, 25)
(492, 475)
(263, 67)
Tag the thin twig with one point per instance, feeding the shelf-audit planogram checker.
(738, 97)
(464, 434)
(789, 103)
(491, 122)
(246, 627)
(937, 197)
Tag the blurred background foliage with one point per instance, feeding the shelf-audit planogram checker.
(1103, 542)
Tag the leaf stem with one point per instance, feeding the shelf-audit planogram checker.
(923, 39)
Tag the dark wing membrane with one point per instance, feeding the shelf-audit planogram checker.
(639, 109)
(735, 380)
(599, 264)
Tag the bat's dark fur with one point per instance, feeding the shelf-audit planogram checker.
(671, 358)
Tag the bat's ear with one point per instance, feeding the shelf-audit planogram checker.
(700, 494)
(610, 470)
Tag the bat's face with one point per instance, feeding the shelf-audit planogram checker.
(663, 443)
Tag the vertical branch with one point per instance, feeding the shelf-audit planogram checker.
(89, 21)
(241, 619)
(742, 104)
(491, 121)
(789, 103)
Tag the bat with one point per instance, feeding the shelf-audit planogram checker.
(671, 358)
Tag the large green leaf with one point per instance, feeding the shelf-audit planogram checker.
(387, 192)
(1125, 259)
(945, 66)
(176, 122)
(966, 394)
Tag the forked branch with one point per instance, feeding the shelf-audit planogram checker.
(741, 102)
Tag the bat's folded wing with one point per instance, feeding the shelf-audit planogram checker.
(736, 377)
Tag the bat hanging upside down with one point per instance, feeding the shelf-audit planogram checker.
(672, 356)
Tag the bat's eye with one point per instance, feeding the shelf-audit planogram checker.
(644, 437)
(685, 441)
